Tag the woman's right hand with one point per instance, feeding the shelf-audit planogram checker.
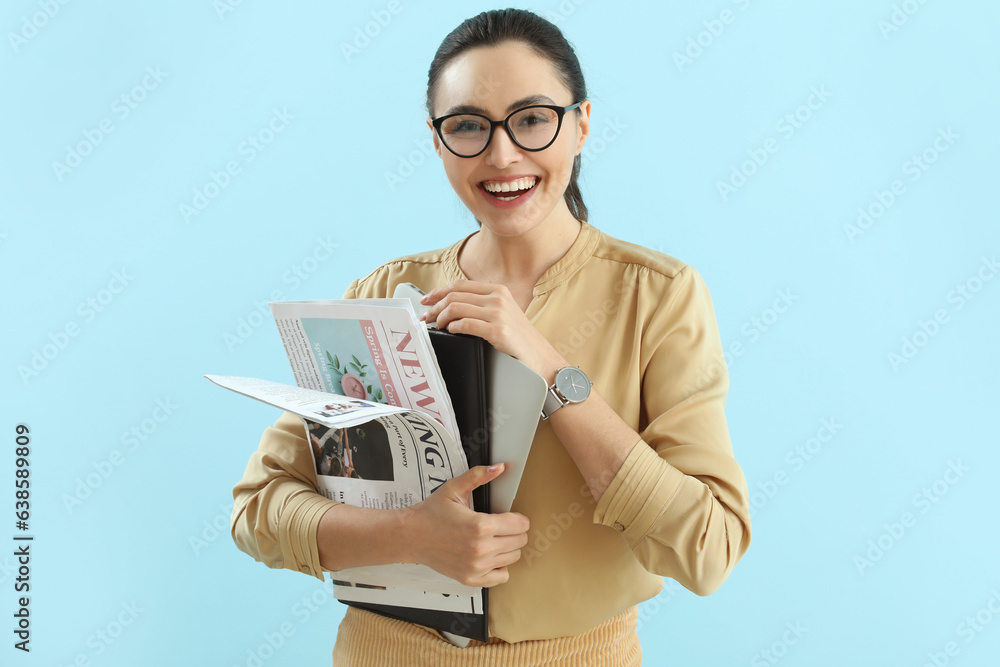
(471, 547)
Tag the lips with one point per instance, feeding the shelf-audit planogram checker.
(509, 189)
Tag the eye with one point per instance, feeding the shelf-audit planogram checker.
(533, 119)
(464, 125)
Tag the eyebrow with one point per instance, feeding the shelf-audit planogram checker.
(523, 102)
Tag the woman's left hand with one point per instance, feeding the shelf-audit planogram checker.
(490, 312)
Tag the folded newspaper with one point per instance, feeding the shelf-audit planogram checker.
(378, 417)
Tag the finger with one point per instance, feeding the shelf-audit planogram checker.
(473, 327)
(454, 312)
(456, 297)
(509, 523)
(494, 577)
(465, 483)
(462, 285)
(509, 543)
(507, 558)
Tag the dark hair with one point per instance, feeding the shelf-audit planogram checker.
(517, 25)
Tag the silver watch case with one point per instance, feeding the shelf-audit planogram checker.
(571, 386)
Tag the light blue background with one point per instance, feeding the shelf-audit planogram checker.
(671, 133)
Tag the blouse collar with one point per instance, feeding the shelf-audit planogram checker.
(579, 252)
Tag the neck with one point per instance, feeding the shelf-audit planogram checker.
(520, 259)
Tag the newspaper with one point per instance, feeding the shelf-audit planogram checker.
(366, 454)
(374, 350)
(380, 423)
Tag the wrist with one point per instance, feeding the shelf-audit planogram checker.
(349, 536)
(550, 366)
(403, 532)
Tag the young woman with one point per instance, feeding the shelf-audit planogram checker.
(629, 480)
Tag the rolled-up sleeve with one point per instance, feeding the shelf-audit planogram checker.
(680, 499)
(277, 505)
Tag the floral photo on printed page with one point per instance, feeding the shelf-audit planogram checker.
(344, 358)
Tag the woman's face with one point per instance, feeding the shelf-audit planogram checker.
(493, 79)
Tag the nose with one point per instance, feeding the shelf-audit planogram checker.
(502, 149)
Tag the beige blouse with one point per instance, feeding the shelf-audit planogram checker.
(641, 324)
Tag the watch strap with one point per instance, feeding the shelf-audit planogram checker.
(552, 402)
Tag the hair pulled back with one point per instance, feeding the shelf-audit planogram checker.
(517, 25)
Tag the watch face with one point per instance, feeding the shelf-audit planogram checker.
(573, 384)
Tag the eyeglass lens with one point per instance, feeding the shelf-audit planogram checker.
(532, 127)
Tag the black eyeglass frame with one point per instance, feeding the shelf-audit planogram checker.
(560, 112)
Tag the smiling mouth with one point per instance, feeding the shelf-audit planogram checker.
(514, 189)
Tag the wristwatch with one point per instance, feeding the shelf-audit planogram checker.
(571, 386)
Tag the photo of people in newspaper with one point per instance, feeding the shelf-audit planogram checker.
(352, 405)
(360, 452)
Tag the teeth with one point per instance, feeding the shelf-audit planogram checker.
(507, 186)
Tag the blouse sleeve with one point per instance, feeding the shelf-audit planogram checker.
(277, 505)
(680, 499)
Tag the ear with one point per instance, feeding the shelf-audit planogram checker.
(583, 125)
(434, 137)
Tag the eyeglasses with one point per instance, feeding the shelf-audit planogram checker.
(532, 128)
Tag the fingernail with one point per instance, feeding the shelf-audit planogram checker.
(493, 468)
(423, 299)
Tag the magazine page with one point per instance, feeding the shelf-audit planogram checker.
(380, 353)
(328, 409)
(390, 462)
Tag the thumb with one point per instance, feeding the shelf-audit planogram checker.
(465, 483)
